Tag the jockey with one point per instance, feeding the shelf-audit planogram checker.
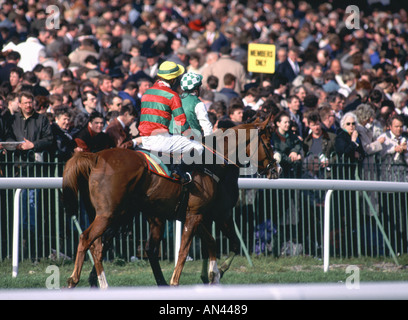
(159, 104)
(195, 110)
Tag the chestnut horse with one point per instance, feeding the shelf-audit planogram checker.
(114, 180)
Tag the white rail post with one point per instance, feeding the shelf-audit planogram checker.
(177, 241)
(16, 225)
(326, 245)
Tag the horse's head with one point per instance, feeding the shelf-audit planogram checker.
(252, 143)
(268, 161)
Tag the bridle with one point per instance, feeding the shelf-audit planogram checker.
(272, 162)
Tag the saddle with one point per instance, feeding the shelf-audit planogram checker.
(165, 168)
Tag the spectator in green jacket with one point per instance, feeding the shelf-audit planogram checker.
(288, 145)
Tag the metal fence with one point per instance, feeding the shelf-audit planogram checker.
(271, 222)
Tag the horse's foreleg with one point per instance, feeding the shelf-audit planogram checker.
(94, 231)
(204, 253)
(152, 249)
(190, 228)
(228, 229)
(204, 271)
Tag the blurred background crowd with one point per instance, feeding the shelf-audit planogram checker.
(340, 82)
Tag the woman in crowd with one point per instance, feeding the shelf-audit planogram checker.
(349, 146)
(351, 154)
(288, 145)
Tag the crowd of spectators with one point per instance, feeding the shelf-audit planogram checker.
(337, 88)
(72, 74)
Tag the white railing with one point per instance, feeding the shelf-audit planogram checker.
(19, 184)
(329, 186)
(242, 296)
(244, 183)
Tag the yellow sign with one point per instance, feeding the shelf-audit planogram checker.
(261, 58)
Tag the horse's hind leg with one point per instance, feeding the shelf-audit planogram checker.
(98, 249)
(210, 244)
(152, 249)
(97, 254)
(94, 231)
(228, 229)
(204, 253)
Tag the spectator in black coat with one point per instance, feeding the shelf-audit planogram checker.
(348, 146)
(347, 141)
(29, 126)
(290, 68)
(34, 130)
(64, 144)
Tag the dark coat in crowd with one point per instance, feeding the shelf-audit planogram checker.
(91, 142)
(351, 151)
(328, 143)
(64, 144)
(285, 145)
(351, 155)
(36, 129)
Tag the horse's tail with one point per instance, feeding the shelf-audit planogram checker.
(76, 178)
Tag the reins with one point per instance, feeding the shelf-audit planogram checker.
(225, 158)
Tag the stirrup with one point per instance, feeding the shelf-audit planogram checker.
(183, 177)
(188, 178)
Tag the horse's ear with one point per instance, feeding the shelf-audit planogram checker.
(257, 120)
(263, 124)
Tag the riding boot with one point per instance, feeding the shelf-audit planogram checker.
(180, 172)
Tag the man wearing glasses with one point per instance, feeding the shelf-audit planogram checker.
(89, 102)
(114, 103)
(29, 126)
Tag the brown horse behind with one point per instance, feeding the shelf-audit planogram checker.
(114, 180)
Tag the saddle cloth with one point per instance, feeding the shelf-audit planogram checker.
(156, 165)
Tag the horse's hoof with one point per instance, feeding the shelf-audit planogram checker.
(71, 283)
(205, 279)
(214, 277)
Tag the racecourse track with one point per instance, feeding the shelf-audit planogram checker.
(337, 291)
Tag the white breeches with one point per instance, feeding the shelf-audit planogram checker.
(167, 143)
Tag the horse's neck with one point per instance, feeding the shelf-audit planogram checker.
(227, 144)
(221, 143)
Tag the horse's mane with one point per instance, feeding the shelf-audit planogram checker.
(221, 135)
(219, 132)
